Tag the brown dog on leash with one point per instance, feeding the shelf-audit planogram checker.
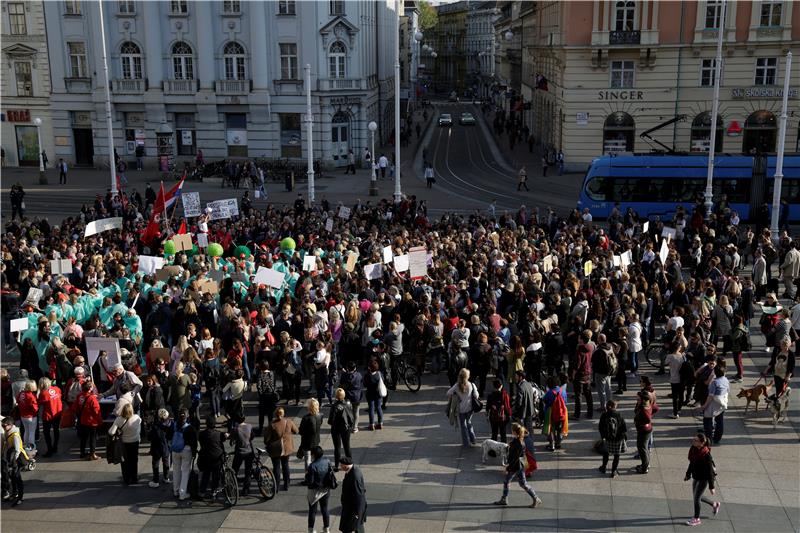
(753, 395)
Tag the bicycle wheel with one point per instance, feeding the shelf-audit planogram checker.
(656, 354)
(266, 483)
(230, 487)
(412, 379)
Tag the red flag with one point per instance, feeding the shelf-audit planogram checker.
(182, 229)
(151, 233)
(158, 207)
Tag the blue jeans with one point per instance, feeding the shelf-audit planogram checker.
(375, 405)
(634, 360)
(713, 427)
(467, 432)
(520, 475)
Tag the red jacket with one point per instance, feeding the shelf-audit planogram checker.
(50, 400)
(28, 406)
(89, 409)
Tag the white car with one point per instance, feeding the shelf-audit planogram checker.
(467, 119)
(445, 119)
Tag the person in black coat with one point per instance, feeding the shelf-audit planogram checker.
(160, 435)
(209, 458)
(354, 498)
(353, 384)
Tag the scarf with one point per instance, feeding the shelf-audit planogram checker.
(696, 454)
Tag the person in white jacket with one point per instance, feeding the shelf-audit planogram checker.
(790, 270)
(634, 342)
(130, 427)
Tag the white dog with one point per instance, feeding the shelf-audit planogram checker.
(493, 448)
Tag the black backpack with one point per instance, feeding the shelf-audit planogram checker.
(612, 428)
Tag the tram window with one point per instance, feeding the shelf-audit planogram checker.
(790, 191)
(736, 191)
(598, 188)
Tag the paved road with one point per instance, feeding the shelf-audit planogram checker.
(470, 165)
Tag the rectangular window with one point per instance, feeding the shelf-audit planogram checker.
(22, 71)
(16, 18)
(622, 74)
(286, 7)
(178, 7)
(288, 61)
(72, 7)
(625, 12)
(185, 134)
(771, 13)
(77, 60)
(126, 7)
(231, 7)
(290, 135)
(766, 70)
(337, 7)
(708, 72)
(713, 13)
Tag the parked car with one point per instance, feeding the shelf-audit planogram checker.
(445, 119)
(467, 119)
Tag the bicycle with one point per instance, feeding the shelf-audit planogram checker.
(230, 486)
(409, 374)
(656, 355)
(264, 476)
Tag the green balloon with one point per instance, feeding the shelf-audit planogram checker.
(288, 244)
(242, 252)
(215, 249)
(169, 247)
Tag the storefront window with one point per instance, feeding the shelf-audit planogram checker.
(701, 133)
(185, 133)
(291, 137)
(618, 132)
(760, 132)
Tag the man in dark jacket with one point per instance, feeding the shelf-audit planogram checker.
(353, 384)
(354, 498)
(524, 406)
(212, 447)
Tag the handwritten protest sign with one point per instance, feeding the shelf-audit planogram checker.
(310, 263)
(344, 212)
(418, 262)
(202, 240)
(191, 204)
(351, 262)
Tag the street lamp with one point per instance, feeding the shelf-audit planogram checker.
(373, 182)
(434, 55)
(418, 36)
(42, 175)
(425, 48)
(398, 193)
(509, 35)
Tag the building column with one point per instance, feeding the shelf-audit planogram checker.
(206, 57)
(153, 49)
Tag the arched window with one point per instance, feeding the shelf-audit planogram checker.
(760, 132)
(337, 58)
(131, 59)
(234, 61)
(625, 12)
(182, 65)
(701, 133)
(618, 132)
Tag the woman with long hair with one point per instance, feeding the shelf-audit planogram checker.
(703, 475)
(465, 391)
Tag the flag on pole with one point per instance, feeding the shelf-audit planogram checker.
(151, 233)
(174, 193)
(159, 207)
(182, 229)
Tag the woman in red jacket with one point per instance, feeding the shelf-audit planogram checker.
(50, 402)
(28, 412)
(87, 411)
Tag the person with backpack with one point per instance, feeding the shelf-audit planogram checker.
(517, 466)
(464, 392)
(184, 450)
(524, 401)
(341, 422)
(703, 474)
(498, 410)
(320, 479)
(353, 384)
(242, 439)
(13, 455)
(614, 433)
(604, 365)
(211, 378)
(555, 415)
(267, 397)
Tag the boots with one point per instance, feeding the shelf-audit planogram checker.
(502, 501)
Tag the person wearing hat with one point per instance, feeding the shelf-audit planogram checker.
(354, 498)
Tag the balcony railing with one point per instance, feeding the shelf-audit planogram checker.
(233, 87)
(287, 87)
(180, 86)
(341, 84)
(78, 85)
(625, 37)
(128, 86)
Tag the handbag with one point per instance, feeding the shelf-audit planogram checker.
(382, 392)
(116, 448)
(477, 404)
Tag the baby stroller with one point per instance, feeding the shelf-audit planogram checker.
(538, 402)
(28, 458)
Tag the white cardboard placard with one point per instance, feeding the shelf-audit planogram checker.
(105, 224)
(19, 324)
(373, 271)
(60, 266)
(664, 252)
(387, 254)
(34, 296)
(344, 212)
(148, 264)
(401, 263)
(418, 262)
(646, 227)
(202, 240)
(310, 263)
(191, 204)
(329, 225)
(269, 276)
(669, 233)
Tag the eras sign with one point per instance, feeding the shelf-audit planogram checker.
(620, 95)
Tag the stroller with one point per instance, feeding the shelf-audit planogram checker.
(28, 458)
(538, 402)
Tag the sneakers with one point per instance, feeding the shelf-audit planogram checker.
(501, 501)
(693, 522)
(355, 430)
(536, 502)
(614, 474)
(716, 507)
(153, 485)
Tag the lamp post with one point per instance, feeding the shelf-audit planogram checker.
(415, 63)
(398, 193)
(42, 174)
(776, 190)
(310, 125)
(709, 194)
(373, 182)
(112, 164)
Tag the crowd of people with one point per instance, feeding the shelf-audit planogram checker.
(544, 308)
